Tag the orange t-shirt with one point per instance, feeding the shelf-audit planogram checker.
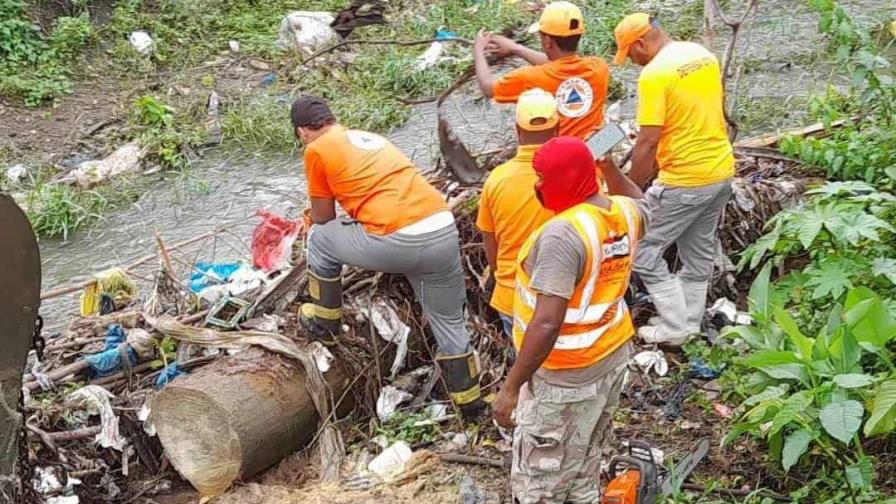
(578, 84)
(371, 179)
(509, 209)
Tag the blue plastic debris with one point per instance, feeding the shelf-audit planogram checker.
(700, 369)
(208, 274)
(109, 360)
(268, 79)
(445, 35)
(169, 373)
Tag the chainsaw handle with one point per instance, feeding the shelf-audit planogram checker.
(629, 461)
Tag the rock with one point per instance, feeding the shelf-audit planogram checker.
(259, 65)
(142, 42)
(16, 173)
(306, 31)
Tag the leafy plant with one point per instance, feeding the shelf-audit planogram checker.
(71, 34)
(409, 427)
(822, 394)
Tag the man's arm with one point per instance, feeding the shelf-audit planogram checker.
(644, 156)
(541, 334)
(491, 250)
(617, 182)
(484, 75)
(323, 210)
(503, 46)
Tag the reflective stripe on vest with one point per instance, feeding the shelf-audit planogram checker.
(597, 320)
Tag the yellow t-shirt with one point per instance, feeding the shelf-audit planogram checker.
(681, 90)
(509, 209)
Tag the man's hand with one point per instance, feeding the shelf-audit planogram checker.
(482, 42)
(501, 46)
(502, 408)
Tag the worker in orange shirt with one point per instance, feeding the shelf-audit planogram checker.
(571, 327)
(579, 84)
(397, 223)
(508, 210)
(683, 133)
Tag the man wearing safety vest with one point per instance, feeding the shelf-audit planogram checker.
(397, 223)
(508, 209)
(683, 132)
(579, 84)
(572, 328)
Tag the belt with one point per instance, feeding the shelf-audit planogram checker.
(429, 224)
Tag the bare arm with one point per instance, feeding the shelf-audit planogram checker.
(617, 182)
(484, 75)
(644, 157)
(503, 46)
(491, 250)
(323, 210)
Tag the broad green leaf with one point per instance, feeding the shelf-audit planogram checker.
(885, 267)
(759, 293)
(851, 187)
(793, 406)
(861, 474)
(869, 320)
(883, 412)
(761, 247)
(795, 446)
(842, 419)
(831, 278)
(788, 372)
(800, 341)
(858, 295)
(853, 380)
(770, 358)
(769, 393)
(855, 226)
(845, 352)
(809, 227)
(738, 431)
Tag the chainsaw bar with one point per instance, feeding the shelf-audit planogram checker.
(673, 480)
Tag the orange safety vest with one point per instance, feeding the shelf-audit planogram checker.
(597, 319)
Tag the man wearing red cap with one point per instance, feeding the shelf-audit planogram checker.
(572, 328)
(579, 84)
(683, 132)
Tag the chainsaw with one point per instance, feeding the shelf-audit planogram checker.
(635, 477)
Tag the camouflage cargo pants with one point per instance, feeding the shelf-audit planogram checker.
(559, 439)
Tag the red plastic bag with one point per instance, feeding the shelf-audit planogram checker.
(272, 241)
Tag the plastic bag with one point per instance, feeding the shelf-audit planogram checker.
(272, 241)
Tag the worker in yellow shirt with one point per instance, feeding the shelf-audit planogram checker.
(508, 210)
(571, 327)
(579, 84)
(683, 134)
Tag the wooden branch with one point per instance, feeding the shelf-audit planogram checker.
(470, 460)
(74, 435)
(729, 53)
(736, 492)
(333, 47)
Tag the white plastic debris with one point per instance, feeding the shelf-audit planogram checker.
(389, 400)
(142, 42)
(614, 112)
(728, 309)
(234, 46)
(391, 329)
(96, 400)
(242, 280)
(125, 159)
(144, 415)
(322, 356)
(650, 360)
(46, 481)
(391, 461)
(71, 499)
(142, 343)
(437, 411)
(306, 31)
(16, 173)
(429, 57)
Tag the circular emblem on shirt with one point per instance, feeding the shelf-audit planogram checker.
(574, 97)
(365, 140)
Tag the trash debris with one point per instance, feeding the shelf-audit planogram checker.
(95, 400)
(268, 79)
(212, 107)
(389, 400)
(433, 53)
(723, 410)
(125, 159)
(700, 369)
(306, 31)
(16, 173)
(390, 328)
(727, 309)
(359, 13)
(227, 313)
(272, 241)
(142, 42)
(674, 403)
(322, 356)
(655, 361)
(205, 274)
(169, 373)
(392, 461)
(234, 46)
(110, 290)
(110, 360)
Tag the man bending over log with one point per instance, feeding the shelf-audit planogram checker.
(572, 328)
(397, 223)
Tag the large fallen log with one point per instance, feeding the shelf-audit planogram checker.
(237, 416)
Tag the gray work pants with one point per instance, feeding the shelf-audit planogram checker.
(687, 217)
(430, 262)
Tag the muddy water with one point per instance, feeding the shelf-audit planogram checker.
(781, 49)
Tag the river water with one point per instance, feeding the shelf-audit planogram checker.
(228, 185)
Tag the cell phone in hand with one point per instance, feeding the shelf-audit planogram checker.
(604, 140)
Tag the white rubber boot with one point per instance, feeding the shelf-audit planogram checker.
(668, 299)
(695, 299)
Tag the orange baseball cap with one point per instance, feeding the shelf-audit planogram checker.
(560, 19)
(628, 31)
(536, 110)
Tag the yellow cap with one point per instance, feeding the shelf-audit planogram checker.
(628, 31)
(560, 19)
(536, 110)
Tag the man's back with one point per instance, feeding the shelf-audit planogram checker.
(681, 90)
(371, 179)
(579, 85)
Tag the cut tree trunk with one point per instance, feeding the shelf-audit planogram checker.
(237, 416)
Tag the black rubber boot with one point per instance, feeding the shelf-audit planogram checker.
(323, 316)
(461, 374)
